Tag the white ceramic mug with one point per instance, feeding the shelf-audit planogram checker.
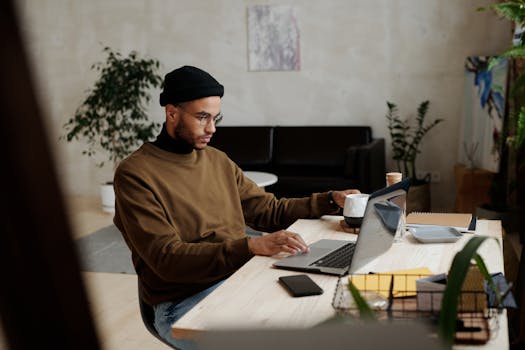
(354, 208)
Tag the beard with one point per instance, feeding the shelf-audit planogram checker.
(184, 135)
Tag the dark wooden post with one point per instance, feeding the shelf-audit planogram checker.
(43, 303)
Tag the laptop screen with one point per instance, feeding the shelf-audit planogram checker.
(381, 223)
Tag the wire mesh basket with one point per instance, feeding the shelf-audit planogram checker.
(406, 297)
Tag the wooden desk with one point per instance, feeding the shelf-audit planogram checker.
(253, 299)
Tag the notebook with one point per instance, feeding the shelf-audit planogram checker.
(404, 284)
(381, 222)
(461, 222)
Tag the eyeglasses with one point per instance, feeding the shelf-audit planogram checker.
(204, 118)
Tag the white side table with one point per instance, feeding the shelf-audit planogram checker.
(262, 179)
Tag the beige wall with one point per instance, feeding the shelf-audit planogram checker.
(355, 55)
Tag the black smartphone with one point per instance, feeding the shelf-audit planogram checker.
(300, 285)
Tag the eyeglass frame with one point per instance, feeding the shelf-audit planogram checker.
(204, 119)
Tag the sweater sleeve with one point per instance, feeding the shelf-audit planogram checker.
(141, 218)
(263, 211)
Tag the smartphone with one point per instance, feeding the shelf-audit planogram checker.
(300, 285)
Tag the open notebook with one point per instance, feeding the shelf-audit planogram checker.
(461, 222)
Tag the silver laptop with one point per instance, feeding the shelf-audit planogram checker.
(381, 222)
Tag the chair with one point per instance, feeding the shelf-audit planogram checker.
(148, 317)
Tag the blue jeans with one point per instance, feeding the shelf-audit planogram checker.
(167, 313)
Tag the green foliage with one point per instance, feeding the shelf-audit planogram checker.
(407, 136)
(456, 277)
(513, 132)
(113, 117)
(364, 309)
(520, 129)
(449, 305)
(513, 52)
(512, 10)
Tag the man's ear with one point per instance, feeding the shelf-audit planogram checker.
(171, 113)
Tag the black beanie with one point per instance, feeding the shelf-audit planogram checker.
(187, 84)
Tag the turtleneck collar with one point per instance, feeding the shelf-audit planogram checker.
(167, 143)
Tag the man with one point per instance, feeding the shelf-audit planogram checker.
(183, 207)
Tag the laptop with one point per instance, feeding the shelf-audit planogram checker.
(381, 222)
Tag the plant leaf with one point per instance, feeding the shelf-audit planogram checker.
(485, 272)
(364, 309)
(520, 129)
(512, 10)
(456, 276)
(113, 116)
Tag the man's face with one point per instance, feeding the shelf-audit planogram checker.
(194, 121)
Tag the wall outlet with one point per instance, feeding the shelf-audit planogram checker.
(435, 177)
(420, 174)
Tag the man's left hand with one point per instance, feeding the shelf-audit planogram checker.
(340, 196)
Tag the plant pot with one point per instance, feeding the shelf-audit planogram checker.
(107, 195)
(418, 197)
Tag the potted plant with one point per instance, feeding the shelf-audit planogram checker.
(406, 138)
(112, 118)
(453, 293)
(502, 194)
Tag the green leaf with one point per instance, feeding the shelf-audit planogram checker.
(113, 115)
(520, 129)
(485, 272)
(364, 309)
(512, 10)
(513, 52)
(455, 278)
(493, 62)
(406, 135)
(518, 89)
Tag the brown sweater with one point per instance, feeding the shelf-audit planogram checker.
(183, 216)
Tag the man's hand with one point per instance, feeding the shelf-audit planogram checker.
(339, 196)
(277, 242)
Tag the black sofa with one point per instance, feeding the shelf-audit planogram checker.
(307, 159)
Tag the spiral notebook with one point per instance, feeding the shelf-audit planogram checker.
(461, 222)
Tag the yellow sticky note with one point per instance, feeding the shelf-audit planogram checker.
(404, 281)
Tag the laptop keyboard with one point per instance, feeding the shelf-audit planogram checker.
(338, 258)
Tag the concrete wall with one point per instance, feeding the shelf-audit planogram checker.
(355, 55)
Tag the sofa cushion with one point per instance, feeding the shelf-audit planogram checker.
(307, 159)
(315, 150)
(250, 147)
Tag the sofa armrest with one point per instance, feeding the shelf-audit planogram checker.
(366, 163)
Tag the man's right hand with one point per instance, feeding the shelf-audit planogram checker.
(277, 242)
